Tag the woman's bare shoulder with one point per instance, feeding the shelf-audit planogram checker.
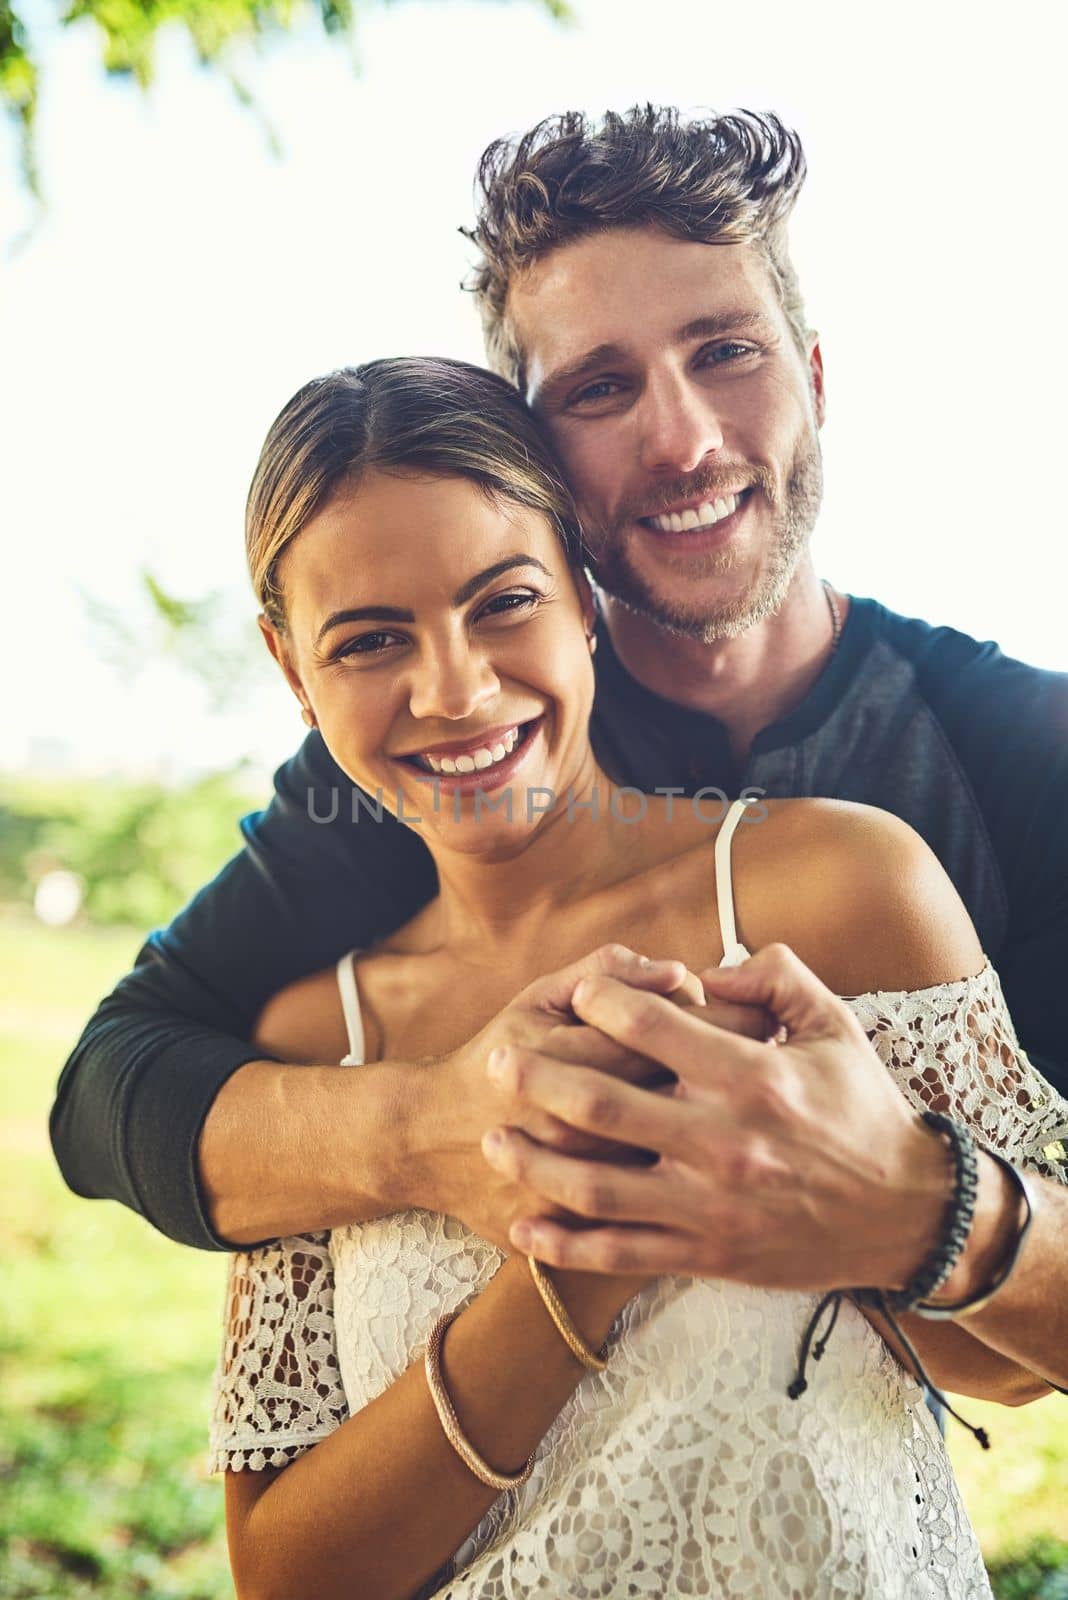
(857, 893)
(304, 1022)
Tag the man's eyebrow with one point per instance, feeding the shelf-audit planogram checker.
(713, 326)
(601, 356)
(721, 322)
(465, 592)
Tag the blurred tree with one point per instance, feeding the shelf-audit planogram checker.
(198, 636)
(141, 848)
(129, 29)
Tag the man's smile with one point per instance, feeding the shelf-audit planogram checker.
(691, 515)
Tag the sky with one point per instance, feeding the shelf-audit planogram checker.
(184, 281)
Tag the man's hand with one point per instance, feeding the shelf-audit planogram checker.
(461, 1103)
(794, 1165)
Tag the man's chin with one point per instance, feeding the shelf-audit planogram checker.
(705, 608)
(705, 624)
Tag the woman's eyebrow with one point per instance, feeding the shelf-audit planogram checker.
(465, 592)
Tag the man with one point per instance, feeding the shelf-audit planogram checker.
(636, 285)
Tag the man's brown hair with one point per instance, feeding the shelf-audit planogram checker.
(729, 179)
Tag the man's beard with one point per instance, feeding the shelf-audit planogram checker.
(793, 518)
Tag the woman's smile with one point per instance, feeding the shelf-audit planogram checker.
(483, 762)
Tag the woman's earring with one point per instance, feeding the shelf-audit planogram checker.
(309, 716)
(591, 640)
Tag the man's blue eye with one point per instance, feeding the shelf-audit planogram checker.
(730, 351)
(597, 391)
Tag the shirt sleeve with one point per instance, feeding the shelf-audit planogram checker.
(1008, 723)
(277, 1388)
(953, 1048)
(318, 874)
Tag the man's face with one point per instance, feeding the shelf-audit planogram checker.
(685, 417)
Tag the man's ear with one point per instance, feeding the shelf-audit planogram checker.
(815, 378)
(279, 649)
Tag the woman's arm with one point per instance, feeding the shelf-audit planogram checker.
(380, 1504)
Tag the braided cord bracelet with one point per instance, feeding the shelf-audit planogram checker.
(935, 1270)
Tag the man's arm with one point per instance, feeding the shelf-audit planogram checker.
(801, 1167)
(133, 1097)
(294, 1149)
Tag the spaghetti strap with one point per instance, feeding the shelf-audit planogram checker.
(350, 1005)
(733, 952)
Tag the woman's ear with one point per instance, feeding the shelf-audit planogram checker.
(586, 599)
(279, 648)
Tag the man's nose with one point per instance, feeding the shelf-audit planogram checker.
(679, 426)
(452, 681)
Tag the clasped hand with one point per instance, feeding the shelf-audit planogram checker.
(726, 1152)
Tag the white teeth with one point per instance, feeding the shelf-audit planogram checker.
(705, 516)
(475, 760)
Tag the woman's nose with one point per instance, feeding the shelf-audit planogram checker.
(452, 683)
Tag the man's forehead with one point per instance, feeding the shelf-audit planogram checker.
(627, 287)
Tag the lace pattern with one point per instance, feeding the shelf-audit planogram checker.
(683, 1469)
(954, 1049)
(278, 1387)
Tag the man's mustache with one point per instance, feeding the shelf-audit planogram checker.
(708, 483)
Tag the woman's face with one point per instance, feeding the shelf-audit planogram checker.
(432, 628)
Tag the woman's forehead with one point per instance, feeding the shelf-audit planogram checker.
(397, 539)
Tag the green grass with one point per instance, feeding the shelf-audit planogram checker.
(109, 1334)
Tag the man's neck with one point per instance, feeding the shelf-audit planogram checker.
(748, 682)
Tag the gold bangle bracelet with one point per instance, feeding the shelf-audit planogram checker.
(581, 1351)
(450, 1423)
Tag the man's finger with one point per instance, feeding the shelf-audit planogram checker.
(554, 991)
(583, 1046)
(549, 1130)
(583, 1187)
(778, 980)
(594, 1102)
(678, 1039)
(636, 1251)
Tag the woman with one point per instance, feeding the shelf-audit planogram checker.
(418, 563)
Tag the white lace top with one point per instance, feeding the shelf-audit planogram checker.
(683, 1469)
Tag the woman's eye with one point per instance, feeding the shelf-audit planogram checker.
(368, 644)
(503, 604)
